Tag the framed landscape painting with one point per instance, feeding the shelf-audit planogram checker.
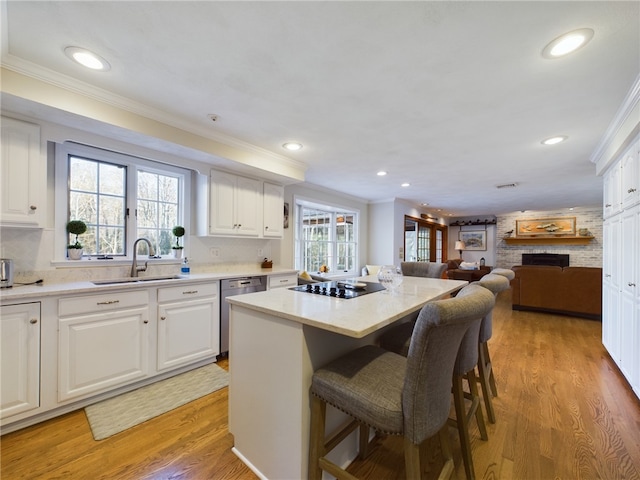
(476, 240)
(546, 227)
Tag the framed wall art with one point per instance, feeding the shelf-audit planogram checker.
(548, 227)
(474, 240)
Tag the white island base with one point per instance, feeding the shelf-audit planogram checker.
(273, 353)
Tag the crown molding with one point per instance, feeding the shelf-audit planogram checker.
(618, 125)
(84, 89)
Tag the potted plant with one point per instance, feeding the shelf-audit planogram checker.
(75, 227)
(178, 231)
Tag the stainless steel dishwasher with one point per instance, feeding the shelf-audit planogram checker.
(230, 287)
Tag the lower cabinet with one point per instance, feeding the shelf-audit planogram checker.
(103, 342)
(20, 358)
(188, 324)
(283, 281)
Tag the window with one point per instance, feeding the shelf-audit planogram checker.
(326, 235)
(120, 198)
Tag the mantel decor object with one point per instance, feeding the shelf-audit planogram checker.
(546, 227)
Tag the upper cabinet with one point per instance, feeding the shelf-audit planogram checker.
(242, 207)
(23, 175)
(273, 197)
(630, 176)
(611, 194)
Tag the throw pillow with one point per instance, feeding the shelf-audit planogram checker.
(468, 266)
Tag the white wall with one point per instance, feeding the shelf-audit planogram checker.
(489, 254)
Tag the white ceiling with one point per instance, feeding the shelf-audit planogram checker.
(453, 97)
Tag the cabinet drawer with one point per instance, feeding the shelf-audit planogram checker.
(280, 281)
(187, 292)
(102, 302)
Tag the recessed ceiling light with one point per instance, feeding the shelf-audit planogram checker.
(554, 140)
(405, 184)
(87, 59)
(424, 204)
(381, 173)
(567, 43)
(292, 146)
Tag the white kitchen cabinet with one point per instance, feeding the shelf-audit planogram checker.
(629, 305)
(188, 324)
(630, 177)
(621, 265)
(103, 342)
(611, 285)
(612, 201)
(273, 214)
(235, 205)
(20, 357)
(283, 281)
(23, 175)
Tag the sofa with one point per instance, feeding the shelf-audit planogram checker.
(454, 272)
(575, 291)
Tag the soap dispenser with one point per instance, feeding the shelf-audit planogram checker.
(185, 270)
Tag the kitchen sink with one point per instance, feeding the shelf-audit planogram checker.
(115, 281)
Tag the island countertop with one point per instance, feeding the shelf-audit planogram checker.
(353, 317)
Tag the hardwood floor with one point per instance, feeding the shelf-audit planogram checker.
(563, 412)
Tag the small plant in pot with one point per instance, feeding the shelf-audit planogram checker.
(179, 232)
(75, 227)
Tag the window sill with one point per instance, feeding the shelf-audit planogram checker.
(93, 263)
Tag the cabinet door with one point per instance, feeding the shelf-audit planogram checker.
(24, 175)
(273, 201)
(222, 217)
(629, 285)
(20, 357)
(187, 332)
(630, 168)
(611, 286)
(100, 351)
(611, 194)
(248, 207)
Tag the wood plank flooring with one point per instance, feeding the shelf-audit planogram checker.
(563, 412)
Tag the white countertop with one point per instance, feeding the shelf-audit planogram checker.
(24, 292)
(354, 317)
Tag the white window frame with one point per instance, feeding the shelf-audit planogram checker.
(133, 163)
(299, 203)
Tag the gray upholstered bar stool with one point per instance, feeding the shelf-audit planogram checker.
(397, 395)
(496, 283)
(423, 269)
(398, 340)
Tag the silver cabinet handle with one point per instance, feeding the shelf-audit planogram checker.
(607, 274)
(607, 205)
(266, 227)
(163, 318)
(631, 190)
(190, 292)
(631, 284)
(33, 321)
(108, 302)
(145, 321)
(33, 207)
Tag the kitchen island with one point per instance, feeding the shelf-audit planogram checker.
(278, 339)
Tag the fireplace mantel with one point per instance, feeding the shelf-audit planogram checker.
(565, 240)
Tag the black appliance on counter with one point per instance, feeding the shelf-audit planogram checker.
(340, 289)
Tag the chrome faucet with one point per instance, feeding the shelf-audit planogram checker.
(134, 266)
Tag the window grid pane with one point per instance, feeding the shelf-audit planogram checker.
(157, 210)
(96, 196)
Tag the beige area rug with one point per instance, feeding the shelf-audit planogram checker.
(117, 414)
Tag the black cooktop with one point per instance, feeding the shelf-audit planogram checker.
(340, 289)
